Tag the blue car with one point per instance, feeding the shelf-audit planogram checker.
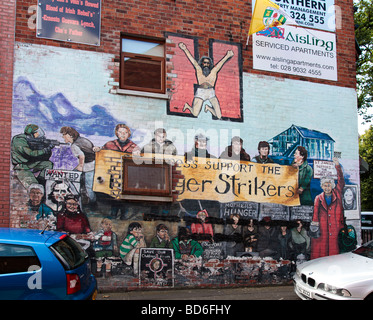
(37, 264)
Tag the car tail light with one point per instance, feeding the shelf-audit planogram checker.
(63, 236)
(73, 283)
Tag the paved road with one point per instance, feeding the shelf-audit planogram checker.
(245, 293)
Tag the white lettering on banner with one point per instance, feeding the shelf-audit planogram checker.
(296, 51)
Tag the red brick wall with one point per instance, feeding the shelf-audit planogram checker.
(182, 85)
(7, 25)
(228, 75)
(220, 20)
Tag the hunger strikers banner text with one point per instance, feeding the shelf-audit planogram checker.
(205, 179)
(228, 180)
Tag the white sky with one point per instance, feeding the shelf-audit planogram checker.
(363, 127)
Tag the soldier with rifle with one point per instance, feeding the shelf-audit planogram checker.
(30, 153)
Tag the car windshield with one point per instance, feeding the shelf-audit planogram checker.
(365, 250)
(70, 252)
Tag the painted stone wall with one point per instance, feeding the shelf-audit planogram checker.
(227, 221)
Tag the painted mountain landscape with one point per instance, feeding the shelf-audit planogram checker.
(52, 113)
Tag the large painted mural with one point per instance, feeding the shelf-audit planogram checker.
(152, 211)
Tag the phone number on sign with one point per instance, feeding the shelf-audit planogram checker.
(303, 17)
(300, 70)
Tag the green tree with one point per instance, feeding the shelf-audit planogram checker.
(364, 67)
(366, 179)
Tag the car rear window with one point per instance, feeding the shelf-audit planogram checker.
(17, 258)
(70, 252)
(365, 250)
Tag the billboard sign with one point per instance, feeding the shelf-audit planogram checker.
(316, 14)
(69, 20)
(297, 51)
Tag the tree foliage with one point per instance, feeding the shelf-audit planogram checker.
(364, 68)
(366, 179)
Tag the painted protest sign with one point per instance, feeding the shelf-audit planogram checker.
(58, 174)
(227, 181)
(212, 250)
(246, 210)
(350, 196)
(303, 213)
(60, 183)
(274, 211)
(323, 169)
(156, 267)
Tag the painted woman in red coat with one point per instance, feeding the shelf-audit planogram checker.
(328, 215)
(202, 228)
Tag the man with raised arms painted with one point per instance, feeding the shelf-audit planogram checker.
(206, 74)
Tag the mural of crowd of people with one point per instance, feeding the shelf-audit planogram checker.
(153, 241)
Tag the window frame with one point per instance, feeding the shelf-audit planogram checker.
(69, 253)
(14, 263)
(144, 57)
(167, 192)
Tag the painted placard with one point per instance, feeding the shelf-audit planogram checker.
(212, 250)
(296, 51)
(156, 267)
(229, 180)
(350, 201)
(274, 211)
(60, 183)
(246, 210)
(322, 169)
(303, 213)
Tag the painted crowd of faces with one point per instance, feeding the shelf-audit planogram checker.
(54, 203)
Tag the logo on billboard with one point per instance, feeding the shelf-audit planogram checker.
(273, 18)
